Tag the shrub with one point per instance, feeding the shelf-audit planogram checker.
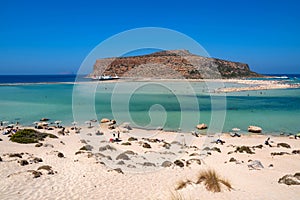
(38, 145)
(285, 145)
(146, 145)
(122, 156)
(126, 143)
(24, 162)
(26, 136)
(132, 139)
(18, 155)
(107, 147)
(45, 167)
(51, 135)
(244, 149)
(36, 174)
(296, 152)
(216, 149)
(87, 148)
(258, 146)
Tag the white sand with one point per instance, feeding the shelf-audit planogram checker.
(83, 177)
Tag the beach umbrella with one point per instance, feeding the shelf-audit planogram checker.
(236, 129)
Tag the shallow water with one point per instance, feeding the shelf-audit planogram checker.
(173, 105)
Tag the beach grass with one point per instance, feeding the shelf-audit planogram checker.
(212, 181)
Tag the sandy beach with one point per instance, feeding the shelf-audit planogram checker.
(133, 167)
(245, 84)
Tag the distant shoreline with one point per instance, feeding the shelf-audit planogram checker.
(252, 85)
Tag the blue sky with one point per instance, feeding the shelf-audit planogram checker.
(53, 37)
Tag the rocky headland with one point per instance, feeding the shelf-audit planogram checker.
(173, 64)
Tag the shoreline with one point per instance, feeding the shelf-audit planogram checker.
(245, 84)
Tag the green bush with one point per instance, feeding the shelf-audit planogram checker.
(26, 136)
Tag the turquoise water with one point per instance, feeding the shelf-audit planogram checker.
(152, 105)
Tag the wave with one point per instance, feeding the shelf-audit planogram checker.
(282, 77)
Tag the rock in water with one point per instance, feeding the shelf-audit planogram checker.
(104, 120)
(201, 126)
(254, 129)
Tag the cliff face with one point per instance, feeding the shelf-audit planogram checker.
(171, 64)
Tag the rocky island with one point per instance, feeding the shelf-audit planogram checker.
(172, 64)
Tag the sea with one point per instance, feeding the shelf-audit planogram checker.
(175, 106)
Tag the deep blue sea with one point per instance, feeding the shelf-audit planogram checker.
(149, 105)
(288, 78)
(10, 79)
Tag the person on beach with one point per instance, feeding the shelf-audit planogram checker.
(220, 141)
(118, 134)
(267, 142)
(235, 134)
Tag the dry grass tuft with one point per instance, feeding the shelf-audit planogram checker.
(177, 196)
(212, 181)
(182, 184)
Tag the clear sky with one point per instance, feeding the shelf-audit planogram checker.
(53, 37)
